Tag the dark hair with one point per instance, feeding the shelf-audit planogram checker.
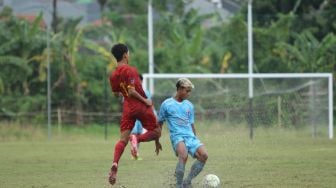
(178, 84)
(141, 77)
(118, 50)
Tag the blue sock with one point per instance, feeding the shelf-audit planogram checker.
(196, 168)
(179, 173)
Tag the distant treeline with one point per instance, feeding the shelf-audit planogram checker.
(289, 36)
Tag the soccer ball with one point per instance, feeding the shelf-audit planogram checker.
(211, 181)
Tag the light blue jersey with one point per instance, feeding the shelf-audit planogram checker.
(180, 119)
(138, 129)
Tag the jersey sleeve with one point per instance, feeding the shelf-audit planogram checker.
(114, 84)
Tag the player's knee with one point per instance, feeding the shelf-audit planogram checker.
(124, 139)
(183, 158)
(204, 157)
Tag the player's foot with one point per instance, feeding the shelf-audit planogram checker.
(179, 186)
(186, 184)
(137, 159)
(134, 146)
(113, 174)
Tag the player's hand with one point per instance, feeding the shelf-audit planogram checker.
(158, 147)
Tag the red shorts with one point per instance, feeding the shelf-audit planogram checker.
(143, 113)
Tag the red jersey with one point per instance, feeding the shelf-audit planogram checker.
(124, 77)
(121, 79)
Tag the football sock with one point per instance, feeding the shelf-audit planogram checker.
(118, 151)
(179, 173)
(195, 169)
(148, 136)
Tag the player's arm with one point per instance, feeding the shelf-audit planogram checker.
(114, 86)
(162, 115)
(161, 119)
(158, 145)
(131, 77)
(192, 119)
(133, 93)
(161, 122)
(193, 129)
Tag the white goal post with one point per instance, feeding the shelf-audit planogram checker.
(267, 87)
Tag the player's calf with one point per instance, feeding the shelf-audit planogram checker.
(150, 135)
(134, 146)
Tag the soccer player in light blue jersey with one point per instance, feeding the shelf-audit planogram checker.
(179, 114)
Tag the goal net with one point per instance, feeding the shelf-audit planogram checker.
(279, 100)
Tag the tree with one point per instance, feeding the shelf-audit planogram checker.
(22, 74)
(308, 54)
(180, 43)
(266, 40)
(21, 40)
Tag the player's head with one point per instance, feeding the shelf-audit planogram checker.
(184, 83)
(183, 88)
(120, 51)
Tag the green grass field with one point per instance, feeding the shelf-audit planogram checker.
(81, 158)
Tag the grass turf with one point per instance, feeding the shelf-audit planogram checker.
(79, 158)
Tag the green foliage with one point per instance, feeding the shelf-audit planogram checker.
(289, 36)
(307, 54)
(181, 44)
(23, 108)
(235, 42)
(128, 6)
(21, 40)
(265, 44)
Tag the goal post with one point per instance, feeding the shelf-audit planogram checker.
(279, 99)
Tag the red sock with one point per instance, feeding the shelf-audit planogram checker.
(148, 136)
(118, 151)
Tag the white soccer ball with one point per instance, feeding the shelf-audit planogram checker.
(211, 181)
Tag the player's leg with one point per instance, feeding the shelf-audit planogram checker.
(198, 151)
(135, 147)
(118, 151)
(137, 130)
(182, 154)
(126, 126)
(150, 123)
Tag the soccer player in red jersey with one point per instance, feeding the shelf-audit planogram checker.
(125, 81)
